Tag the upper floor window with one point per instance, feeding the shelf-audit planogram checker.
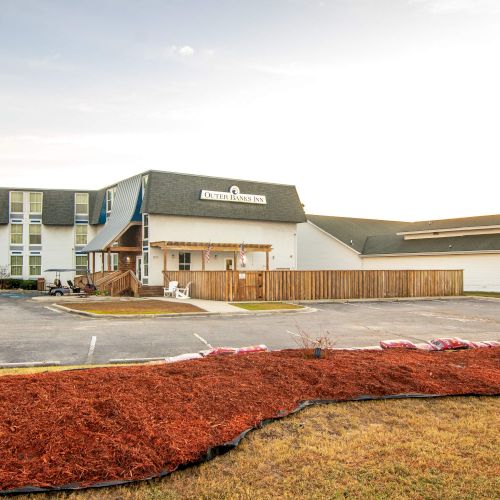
(16, 234)
(145, 227)
(81, 234)
(110, 198)
(35, 234)
(81, 203)
(16, 202)
(36, 203)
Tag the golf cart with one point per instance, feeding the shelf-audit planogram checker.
(58, 289)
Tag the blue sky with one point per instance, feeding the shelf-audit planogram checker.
(385, 108)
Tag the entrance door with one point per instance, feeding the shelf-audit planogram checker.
(138, 268)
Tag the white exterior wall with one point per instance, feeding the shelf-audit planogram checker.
(481, 271)
(318, 250)
(4, 245)
(281, 235)
(57, 249)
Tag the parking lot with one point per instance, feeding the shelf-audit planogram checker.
(32, 332)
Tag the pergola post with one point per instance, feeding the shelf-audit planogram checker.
(235, 267)
(109, 260)
(267, 261)
(102, 263)
(93, 264)
(203, 260)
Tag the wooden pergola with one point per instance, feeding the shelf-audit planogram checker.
(190, 246)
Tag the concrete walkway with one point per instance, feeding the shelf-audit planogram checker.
(211, 306)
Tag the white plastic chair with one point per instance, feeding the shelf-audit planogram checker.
(183, 293)
(170, 291)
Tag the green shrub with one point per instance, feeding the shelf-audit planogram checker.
(15, 284)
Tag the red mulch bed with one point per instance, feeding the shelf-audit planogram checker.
(123, 423)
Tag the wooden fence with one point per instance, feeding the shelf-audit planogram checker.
(317, 285)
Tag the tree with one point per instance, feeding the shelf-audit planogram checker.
(4, 275)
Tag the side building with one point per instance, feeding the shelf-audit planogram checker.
(149, 224)
(471, 244)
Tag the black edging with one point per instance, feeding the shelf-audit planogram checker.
(223, 448)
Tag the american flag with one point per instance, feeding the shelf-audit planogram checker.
(243, 257)
(206, 253)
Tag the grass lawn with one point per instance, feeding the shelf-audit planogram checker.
(483, 294)
(265, 306)
(134, 307)
(436, 448)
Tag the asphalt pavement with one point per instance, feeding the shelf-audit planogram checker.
(33, 331)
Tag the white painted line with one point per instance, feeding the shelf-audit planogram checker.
(203, 340)
(53, 309)
(91, 350)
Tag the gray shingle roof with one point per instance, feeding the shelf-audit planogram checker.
(179, 194)
(378, 237)
(394, 244)
(434, 225)
(348, 229)
(58, 205)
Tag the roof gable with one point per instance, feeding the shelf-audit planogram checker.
(170, 193)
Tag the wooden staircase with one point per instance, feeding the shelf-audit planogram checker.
(150, 291)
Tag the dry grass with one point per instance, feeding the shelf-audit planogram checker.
(265, 306)
(134, 307)
(443, 448)
(43, 369)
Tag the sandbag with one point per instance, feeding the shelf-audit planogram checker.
(425, 346)
(446, 344)
(394, 344)
(183, 357)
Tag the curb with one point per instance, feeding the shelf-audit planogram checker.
(30, 364)
(305, 309)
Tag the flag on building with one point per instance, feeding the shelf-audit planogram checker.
(243, 257)
(206, 253)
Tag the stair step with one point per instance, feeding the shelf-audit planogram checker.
(151, 291)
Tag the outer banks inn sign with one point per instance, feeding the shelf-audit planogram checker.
(233, 195)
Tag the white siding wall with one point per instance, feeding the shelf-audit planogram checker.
(282, 236)
(481, 271)
(317, 250)
(4, 245)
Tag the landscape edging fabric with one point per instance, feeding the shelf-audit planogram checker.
(223, 448)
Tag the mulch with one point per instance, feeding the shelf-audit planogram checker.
(134, 307)
(124, 423)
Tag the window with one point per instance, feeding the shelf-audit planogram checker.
(110, 197)
(184, 262)
(16, 265)
(35, 234)
(145, 226)
(81, 231)
(35, 203)
(114, 262)
(16, 234)
(35, 265)
(81, 264)
(81, 203)
(16, 202)
(146, 264)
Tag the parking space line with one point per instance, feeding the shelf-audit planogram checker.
(53, 309)
(203, 340)
(91, 350)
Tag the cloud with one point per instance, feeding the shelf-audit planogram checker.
(450, 6)
(186, 51)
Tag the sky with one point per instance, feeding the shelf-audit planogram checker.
(372, 108)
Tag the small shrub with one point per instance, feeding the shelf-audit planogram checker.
(305, 340)
(128, 292)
